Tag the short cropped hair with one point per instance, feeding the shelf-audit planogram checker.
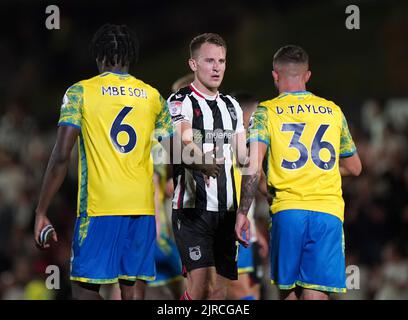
(116, 44)
(291, 54)
(212, 38)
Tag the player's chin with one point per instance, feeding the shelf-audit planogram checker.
(214, 82)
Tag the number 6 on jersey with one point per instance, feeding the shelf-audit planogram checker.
(118, 127)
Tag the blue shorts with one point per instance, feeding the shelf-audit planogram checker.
(245, 259)
(307, 250)
(168, 263)
(108, 248)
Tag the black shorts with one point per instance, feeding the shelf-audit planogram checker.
(206, 239)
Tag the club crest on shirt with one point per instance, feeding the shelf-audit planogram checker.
(175, 108)
(65, 101)
(195, 253)
(232, 112)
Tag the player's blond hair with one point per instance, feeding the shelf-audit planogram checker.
(199, 40)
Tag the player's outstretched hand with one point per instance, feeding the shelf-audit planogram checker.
(212, 166)
(242, 229)
(43, 232)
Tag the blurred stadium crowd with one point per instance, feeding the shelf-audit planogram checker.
(376, 217)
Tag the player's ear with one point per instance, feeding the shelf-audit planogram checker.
(308, 74)
(275, 76)
(193, 64)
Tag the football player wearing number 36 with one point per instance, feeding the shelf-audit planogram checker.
(309, 149)
(113, 117)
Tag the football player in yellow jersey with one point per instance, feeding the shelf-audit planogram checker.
(113, 116)
(308, 148)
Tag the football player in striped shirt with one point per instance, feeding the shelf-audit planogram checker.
(204, 207)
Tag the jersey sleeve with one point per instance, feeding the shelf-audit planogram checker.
(258, 130)
(71, 108)
(347, 146)
(180, 108)
(163, 125)
(240, 117)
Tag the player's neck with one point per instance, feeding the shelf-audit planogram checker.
(114, 69)
(292, 88)
(212, 92)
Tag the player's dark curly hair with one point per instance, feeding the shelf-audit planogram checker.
(291, 54)
(116, 44)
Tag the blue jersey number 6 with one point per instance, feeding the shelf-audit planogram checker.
(317, 145)
(118, 127)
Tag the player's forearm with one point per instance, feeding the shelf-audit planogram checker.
(262, 187)
(192, 157)
(249, 186)
(54, 176)
(251, 176)
(350, 166)
(346, 171)
(240, 151)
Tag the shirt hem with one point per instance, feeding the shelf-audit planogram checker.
(207, 209)
(68, 124)
(141, 213)
(312, 207)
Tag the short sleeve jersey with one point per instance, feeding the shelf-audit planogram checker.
(118, 117)
(306, 135)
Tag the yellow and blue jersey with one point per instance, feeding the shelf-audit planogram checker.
(118, 116)
(306, 135)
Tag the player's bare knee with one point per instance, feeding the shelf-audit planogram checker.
(236, 290)
(219, 294)
(205, 291)
(131, 293)
(314, 295)
(132, 290)
(202, 290)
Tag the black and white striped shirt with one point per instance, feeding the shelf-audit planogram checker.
(215, 120)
